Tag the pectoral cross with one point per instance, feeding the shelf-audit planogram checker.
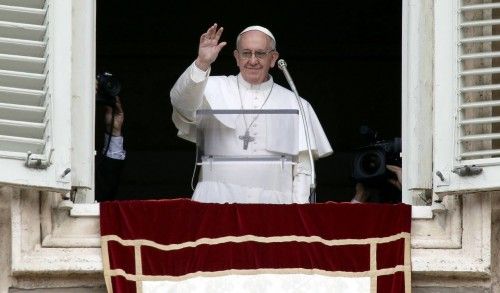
(246, 139)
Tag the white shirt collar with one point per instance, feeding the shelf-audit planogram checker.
(266, 85)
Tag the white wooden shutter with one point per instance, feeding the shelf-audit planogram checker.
(467, 96)
(83, 91)
(35, 93)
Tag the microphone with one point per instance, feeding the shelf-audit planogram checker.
(282, 66)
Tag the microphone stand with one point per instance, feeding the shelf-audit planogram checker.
(282, 66)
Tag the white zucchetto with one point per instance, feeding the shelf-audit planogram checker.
(260, 29)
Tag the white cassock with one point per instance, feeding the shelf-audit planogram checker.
(244, 182)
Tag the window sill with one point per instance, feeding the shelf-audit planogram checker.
(85, 210)
(421, 213)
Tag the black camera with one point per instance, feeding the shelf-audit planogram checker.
(370, 160)
(369, 167)
(108, 87)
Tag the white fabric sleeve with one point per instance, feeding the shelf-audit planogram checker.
(302, 179)
(115, 150)
(187, 93)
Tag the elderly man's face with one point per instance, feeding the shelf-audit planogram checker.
(254, 56)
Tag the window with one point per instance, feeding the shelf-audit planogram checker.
(467, 85)
(37, 96)
(417, 110)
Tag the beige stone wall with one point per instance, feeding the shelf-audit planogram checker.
(5, 237)
(43, 246)
(61, 290)
(495, 244)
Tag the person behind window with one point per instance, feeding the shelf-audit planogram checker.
(387, 192)
(110, 162)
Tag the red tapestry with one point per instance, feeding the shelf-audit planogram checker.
(186, 246)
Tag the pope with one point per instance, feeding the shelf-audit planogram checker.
(253, 88)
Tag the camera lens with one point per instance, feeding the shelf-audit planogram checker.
(112, 86)
(370, 163)
(108, 88)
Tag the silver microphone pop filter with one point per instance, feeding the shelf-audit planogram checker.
(281, 64)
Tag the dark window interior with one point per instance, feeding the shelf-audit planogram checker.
(345, 59)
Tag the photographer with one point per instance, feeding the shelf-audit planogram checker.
(377, 169)
(367, 193)
(109, 162)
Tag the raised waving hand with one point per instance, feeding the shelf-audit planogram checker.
(209, 47)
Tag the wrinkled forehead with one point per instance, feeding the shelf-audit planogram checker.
(260, 29)
(253, 40)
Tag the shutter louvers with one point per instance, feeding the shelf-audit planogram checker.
(35, 94)
(478, 114)
(23, 76)
(467, 96)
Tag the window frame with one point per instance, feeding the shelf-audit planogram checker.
(70, 83)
